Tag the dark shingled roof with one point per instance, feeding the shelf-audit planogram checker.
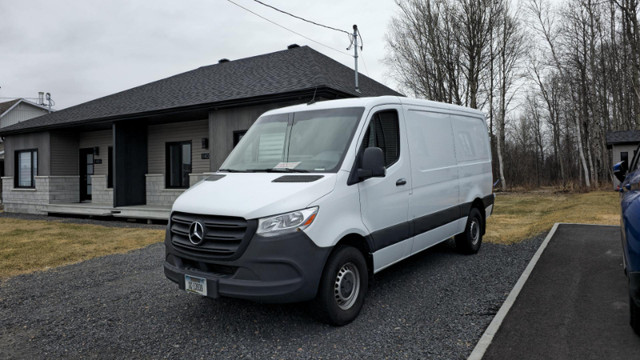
(287, 71)
(623, 137)
(7, 105)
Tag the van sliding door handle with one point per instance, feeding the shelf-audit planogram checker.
(401, 182)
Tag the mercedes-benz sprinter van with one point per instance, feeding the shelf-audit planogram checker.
(317, 198)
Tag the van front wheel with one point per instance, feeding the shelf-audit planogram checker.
(342, 287)
(470, 240)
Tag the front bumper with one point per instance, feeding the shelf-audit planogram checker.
(279, 269)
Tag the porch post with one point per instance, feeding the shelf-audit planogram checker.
(129, 164)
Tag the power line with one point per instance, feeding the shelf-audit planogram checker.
(365, 65)
(292, 31)
(300, 18)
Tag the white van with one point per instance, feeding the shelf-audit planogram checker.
(317, 198)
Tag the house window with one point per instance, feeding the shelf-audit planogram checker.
(384, 132)
(178, 164)
(110, 168)
(26, 168)
(237, 136)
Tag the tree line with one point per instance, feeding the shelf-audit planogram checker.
(552, 80)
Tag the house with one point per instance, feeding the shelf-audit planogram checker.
(131, 154)
(12, 112)
(623, 145)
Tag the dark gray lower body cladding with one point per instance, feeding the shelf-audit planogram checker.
(279, 269)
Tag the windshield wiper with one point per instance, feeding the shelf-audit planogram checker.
(284, 170)
(230, 170)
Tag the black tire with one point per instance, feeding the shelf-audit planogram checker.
(343, 287)
(634, 316)
(470, 240)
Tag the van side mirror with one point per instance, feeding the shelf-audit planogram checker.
(620, 170)
(372, 164)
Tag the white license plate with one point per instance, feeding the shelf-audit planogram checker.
(195, 285)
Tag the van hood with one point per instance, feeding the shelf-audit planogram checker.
(254, 195)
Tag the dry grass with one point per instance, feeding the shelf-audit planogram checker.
(518, 216)
(30, 245)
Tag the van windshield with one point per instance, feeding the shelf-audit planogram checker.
(307, 141)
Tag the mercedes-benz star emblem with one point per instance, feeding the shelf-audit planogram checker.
(196, 233)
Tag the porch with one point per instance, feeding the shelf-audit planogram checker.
(150, 212)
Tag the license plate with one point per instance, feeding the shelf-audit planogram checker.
(195, 285)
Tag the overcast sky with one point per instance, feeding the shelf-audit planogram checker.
(83, 50)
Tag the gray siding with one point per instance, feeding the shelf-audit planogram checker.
(102, 139)
(222, 124)
(159, 135)
(64, 154)
(616, 151)
(40, 141)
(20, 113)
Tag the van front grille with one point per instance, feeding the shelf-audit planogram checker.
(224, 237)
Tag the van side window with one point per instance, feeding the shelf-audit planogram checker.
(384, 132)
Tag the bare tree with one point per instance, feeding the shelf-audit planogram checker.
(423, 50)
(511, 41)
(540, 10)
(583, 78)
(438, 49)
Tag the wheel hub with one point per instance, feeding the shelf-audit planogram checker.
(347, 286)
(475, 232)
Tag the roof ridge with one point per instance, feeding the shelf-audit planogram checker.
(253, 57)
(262, 76)
(174, 76)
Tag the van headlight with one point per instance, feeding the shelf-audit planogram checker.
(285, 223)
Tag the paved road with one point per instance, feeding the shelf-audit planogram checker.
(435, 305)
(575, 303)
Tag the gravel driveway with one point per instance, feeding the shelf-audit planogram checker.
(434, 305)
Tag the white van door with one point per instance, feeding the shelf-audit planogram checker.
(433, 208)
(473, 156)
(384, 202)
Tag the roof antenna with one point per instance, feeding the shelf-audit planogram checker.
(313, 99)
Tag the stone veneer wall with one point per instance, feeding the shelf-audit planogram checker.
(49, 189)
(158, 195)
(63, 189)
(100, 194)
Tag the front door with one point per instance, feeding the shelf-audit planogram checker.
(385, 201)
(86, 170)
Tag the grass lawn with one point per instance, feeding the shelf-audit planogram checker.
(518, 216)
(32, 245)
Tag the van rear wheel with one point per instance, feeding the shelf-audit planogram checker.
(342, 288)
(470, 240)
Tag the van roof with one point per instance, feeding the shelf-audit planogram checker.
(369, 102)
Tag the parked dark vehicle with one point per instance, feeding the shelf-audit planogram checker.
(629, 176)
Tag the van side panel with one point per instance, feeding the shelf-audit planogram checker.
(473, 157)
(433, 204)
